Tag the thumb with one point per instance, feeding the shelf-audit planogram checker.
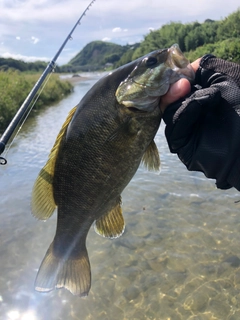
(178, 90)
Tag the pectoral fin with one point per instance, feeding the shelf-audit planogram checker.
(151, 158)
(43, 203)
(111, 225)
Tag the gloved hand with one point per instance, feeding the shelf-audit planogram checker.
(204, 127)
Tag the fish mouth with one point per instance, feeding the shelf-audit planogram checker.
(178, 63)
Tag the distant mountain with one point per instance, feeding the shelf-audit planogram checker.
(97, 55)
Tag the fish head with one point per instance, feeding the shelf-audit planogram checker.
(151, 78)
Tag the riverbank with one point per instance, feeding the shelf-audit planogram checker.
(15, 87)
(76, 77)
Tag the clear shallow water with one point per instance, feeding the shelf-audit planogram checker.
(179, 257)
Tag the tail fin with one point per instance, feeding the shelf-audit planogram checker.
(72, 274)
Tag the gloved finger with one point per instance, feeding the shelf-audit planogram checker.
(212, 70)
(184, 117)
(215, 65)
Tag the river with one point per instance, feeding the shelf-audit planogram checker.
(178, 259)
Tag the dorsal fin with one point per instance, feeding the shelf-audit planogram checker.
(111, 225)
(151, 158)
(43, 203)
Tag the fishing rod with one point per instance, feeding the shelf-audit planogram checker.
(24, 107)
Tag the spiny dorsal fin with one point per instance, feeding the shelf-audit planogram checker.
(43, 204)
(111, 225)
(151, 158)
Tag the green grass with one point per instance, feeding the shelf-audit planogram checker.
(15, 87)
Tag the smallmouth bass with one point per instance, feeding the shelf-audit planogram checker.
(96, 154)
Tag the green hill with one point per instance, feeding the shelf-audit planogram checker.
(221, 38)
(96, 55)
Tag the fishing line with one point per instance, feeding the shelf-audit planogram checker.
(27, 114)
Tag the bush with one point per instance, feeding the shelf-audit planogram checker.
(15, 87)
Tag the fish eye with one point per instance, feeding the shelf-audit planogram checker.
(151, 61)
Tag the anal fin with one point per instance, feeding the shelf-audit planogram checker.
(151, 158)
(111, 225)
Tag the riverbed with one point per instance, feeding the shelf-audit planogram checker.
(178, 258)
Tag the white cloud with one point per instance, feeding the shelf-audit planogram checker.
(51, 10)
(116, 29)
(18, 38)
(106, 39)
(34, 40)
(22, 57)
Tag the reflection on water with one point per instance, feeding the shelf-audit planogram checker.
(179, 257)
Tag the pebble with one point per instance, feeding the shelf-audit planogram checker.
(131, 293)
(176, 264)
(196, 302)
(235, 316)
(158, 265)
(150, 255)
(234, 261)
(219, 308)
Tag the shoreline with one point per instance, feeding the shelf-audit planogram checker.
(74, 80)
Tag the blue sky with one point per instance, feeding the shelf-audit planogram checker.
(34, 29)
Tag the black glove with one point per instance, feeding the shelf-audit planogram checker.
(204, 128)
